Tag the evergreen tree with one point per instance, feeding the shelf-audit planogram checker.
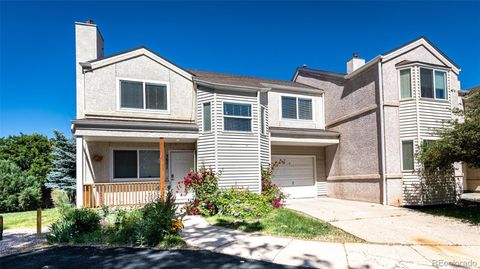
(63, 173)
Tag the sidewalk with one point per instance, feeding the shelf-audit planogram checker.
(198, 233)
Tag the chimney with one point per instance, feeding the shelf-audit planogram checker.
(88, 42)
(354, 63)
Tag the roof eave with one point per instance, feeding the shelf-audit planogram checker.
(229, 87)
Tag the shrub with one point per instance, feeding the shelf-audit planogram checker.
(204, 184)
(61, 201)
(242, 204)
(269, 189)
(72, 224)
(123, 227)
(19, 190)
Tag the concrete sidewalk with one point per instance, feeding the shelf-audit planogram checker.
(387, 224)
(198, 233)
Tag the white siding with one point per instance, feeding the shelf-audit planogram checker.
(206, 141)
(419, 118)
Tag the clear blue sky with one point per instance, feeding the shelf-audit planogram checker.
(267, 39)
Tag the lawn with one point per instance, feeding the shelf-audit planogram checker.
(288, 223)
(28, 219)
(468, 214)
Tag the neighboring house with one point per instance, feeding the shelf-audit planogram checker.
(472, 175)
(332, 129)
(384, 109)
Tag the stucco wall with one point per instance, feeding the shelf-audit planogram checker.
(101, 93)
(102, 171)
(275, 109)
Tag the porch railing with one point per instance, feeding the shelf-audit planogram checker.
(122, 194)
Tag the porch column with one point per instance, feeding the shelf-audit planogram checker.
(162, 168)
(79, 168)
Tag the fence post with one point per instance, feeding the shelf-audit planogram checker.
(39, 222)
(1, 227)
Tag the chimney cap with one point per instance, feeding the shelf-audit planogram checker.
(89, 21)
(304, 65)
(355, 55)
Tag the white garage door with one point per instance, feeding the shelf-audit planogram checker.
(297, 176)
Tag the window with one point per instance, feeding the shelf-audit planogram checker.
(440, 85)
(237, 117)
(297, 108)
(136, 164)
(433, 83)
(207, 117)
(407, 155)
(143, 95)
(263, 120)
(405, 84)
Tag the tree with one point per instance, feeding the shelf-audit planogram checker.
(63, 173)
(31, 153)
(18, 189)
(461, 143)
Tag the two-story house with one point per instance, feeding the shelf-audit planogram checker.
(141, 118)
(134, 105)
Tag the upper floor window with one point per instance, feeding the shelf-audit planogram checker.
(297, 108)
(263, 120)
(433, 83)
(143, 95)
(237, 117)
(405, 84)
(207, 117)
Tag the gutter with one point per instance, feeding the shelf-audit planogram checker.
(382, 132)
(230, 87)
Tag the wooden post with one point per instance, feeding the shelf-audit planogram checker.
(1, 227)
(162, 168)
(39, 222)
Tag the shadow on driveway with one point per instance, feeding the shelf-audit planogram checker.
(126, 258)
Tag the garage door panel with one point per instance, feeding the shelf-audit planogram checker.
(297, 176)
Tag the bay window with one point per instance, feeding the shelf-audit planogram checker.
(141, 95)
(407, 155)
(207, 117)
(405, 84)
(237, 117)
(433, 83)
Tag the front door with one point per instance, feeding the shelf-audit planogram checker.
(181, 162)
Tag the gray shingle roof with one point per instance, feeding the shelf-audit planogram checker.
(245, 81)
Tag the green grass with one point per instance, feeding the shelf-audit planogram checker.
(468, 214)
(28, 219)
(288, 223)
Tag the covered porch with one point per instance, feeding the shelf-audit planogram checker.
(121, 168)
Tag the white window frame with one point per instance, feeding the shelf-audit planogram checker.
(263, 124)
(401, 154)
(144, 109)
(433, 83)
(203, 117)
(138, 178)
(237, 117)
(400, 84)
(296, 96)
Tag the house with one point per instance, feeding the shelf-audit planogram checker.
(141, 117)
(384, 110)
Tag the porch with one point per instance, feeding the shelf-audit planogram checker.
(130, 169)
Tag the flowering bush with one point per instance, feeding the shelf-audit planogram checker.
(204, 184)
(269, 189)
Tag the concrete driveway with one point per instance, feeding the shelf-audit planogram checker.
(386, 224)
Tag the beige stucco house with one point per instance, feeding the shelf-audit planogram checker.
(349, 136)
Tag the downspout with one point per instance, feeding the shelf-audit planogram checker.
(382, 133)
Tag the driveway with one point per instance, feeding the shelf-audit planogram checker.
(387, 224)
(126, 258)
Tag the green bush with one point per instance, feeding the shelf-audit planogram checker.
(122, 226)
(74, 223)
(242, 204)
(61, 201)
(19, 191)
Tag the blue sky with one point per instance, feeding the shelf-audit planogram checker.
(267, 39)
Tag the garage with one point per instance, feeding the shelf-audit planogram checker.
(296, 177)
